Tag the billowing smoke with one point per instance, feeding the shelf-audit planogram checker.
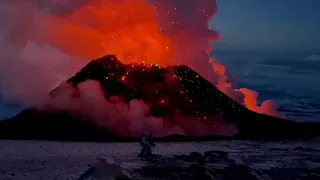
(127, 119)
(44, 42)
(29, 74)
(29, 67)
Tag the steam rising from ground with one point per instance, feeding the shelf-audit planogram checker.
(45, 42)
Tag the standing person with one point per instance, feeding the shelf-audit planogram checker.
(146, 141)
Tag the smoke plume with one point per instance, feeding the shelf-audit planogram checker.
(44, 42)
(127, 119)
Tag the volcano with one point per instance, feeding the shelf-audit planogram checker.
(168, 91)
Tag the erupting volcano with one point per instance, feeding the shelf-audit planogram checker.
(146, 31)
(159, 77)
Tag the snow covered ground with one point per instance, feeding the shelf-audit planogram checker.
(68, 160)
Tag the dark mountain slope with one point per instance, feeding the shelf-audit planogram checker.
(167, 91)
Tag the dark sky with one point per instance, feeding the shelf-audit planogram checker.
(269, 24)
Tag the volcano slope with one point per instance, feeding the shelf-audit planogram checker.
(167, 91)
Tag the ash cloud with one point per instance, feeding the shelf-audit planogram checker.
(29, 68)
(44, 42)
(87, 101)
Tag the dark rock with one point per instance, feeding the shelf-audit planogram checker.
(183, 158)
(173, 168)
(103, 170)
(196, 156)
(215, 153)
(299, 149)
(192, 157)
(304, 149)
(210, 156)
(238, 172)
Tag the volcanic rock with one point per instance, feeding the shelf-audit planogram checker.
(189, 167)
(166, 90)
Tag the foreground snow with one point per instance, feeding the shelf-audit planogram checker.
(68, 160)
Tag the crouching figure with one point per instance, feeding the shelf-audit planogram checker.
(146, 141)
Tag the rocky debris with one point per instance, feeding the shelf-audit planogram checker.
(205, 166)
(208, 156)
(103, 169)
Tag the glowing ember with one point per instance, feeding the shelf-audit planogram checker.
(123, 78)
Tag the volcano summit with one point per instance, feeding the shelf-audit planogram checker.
(109, 100)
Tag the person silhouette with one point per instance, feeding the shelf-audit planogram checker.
(146, 142)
